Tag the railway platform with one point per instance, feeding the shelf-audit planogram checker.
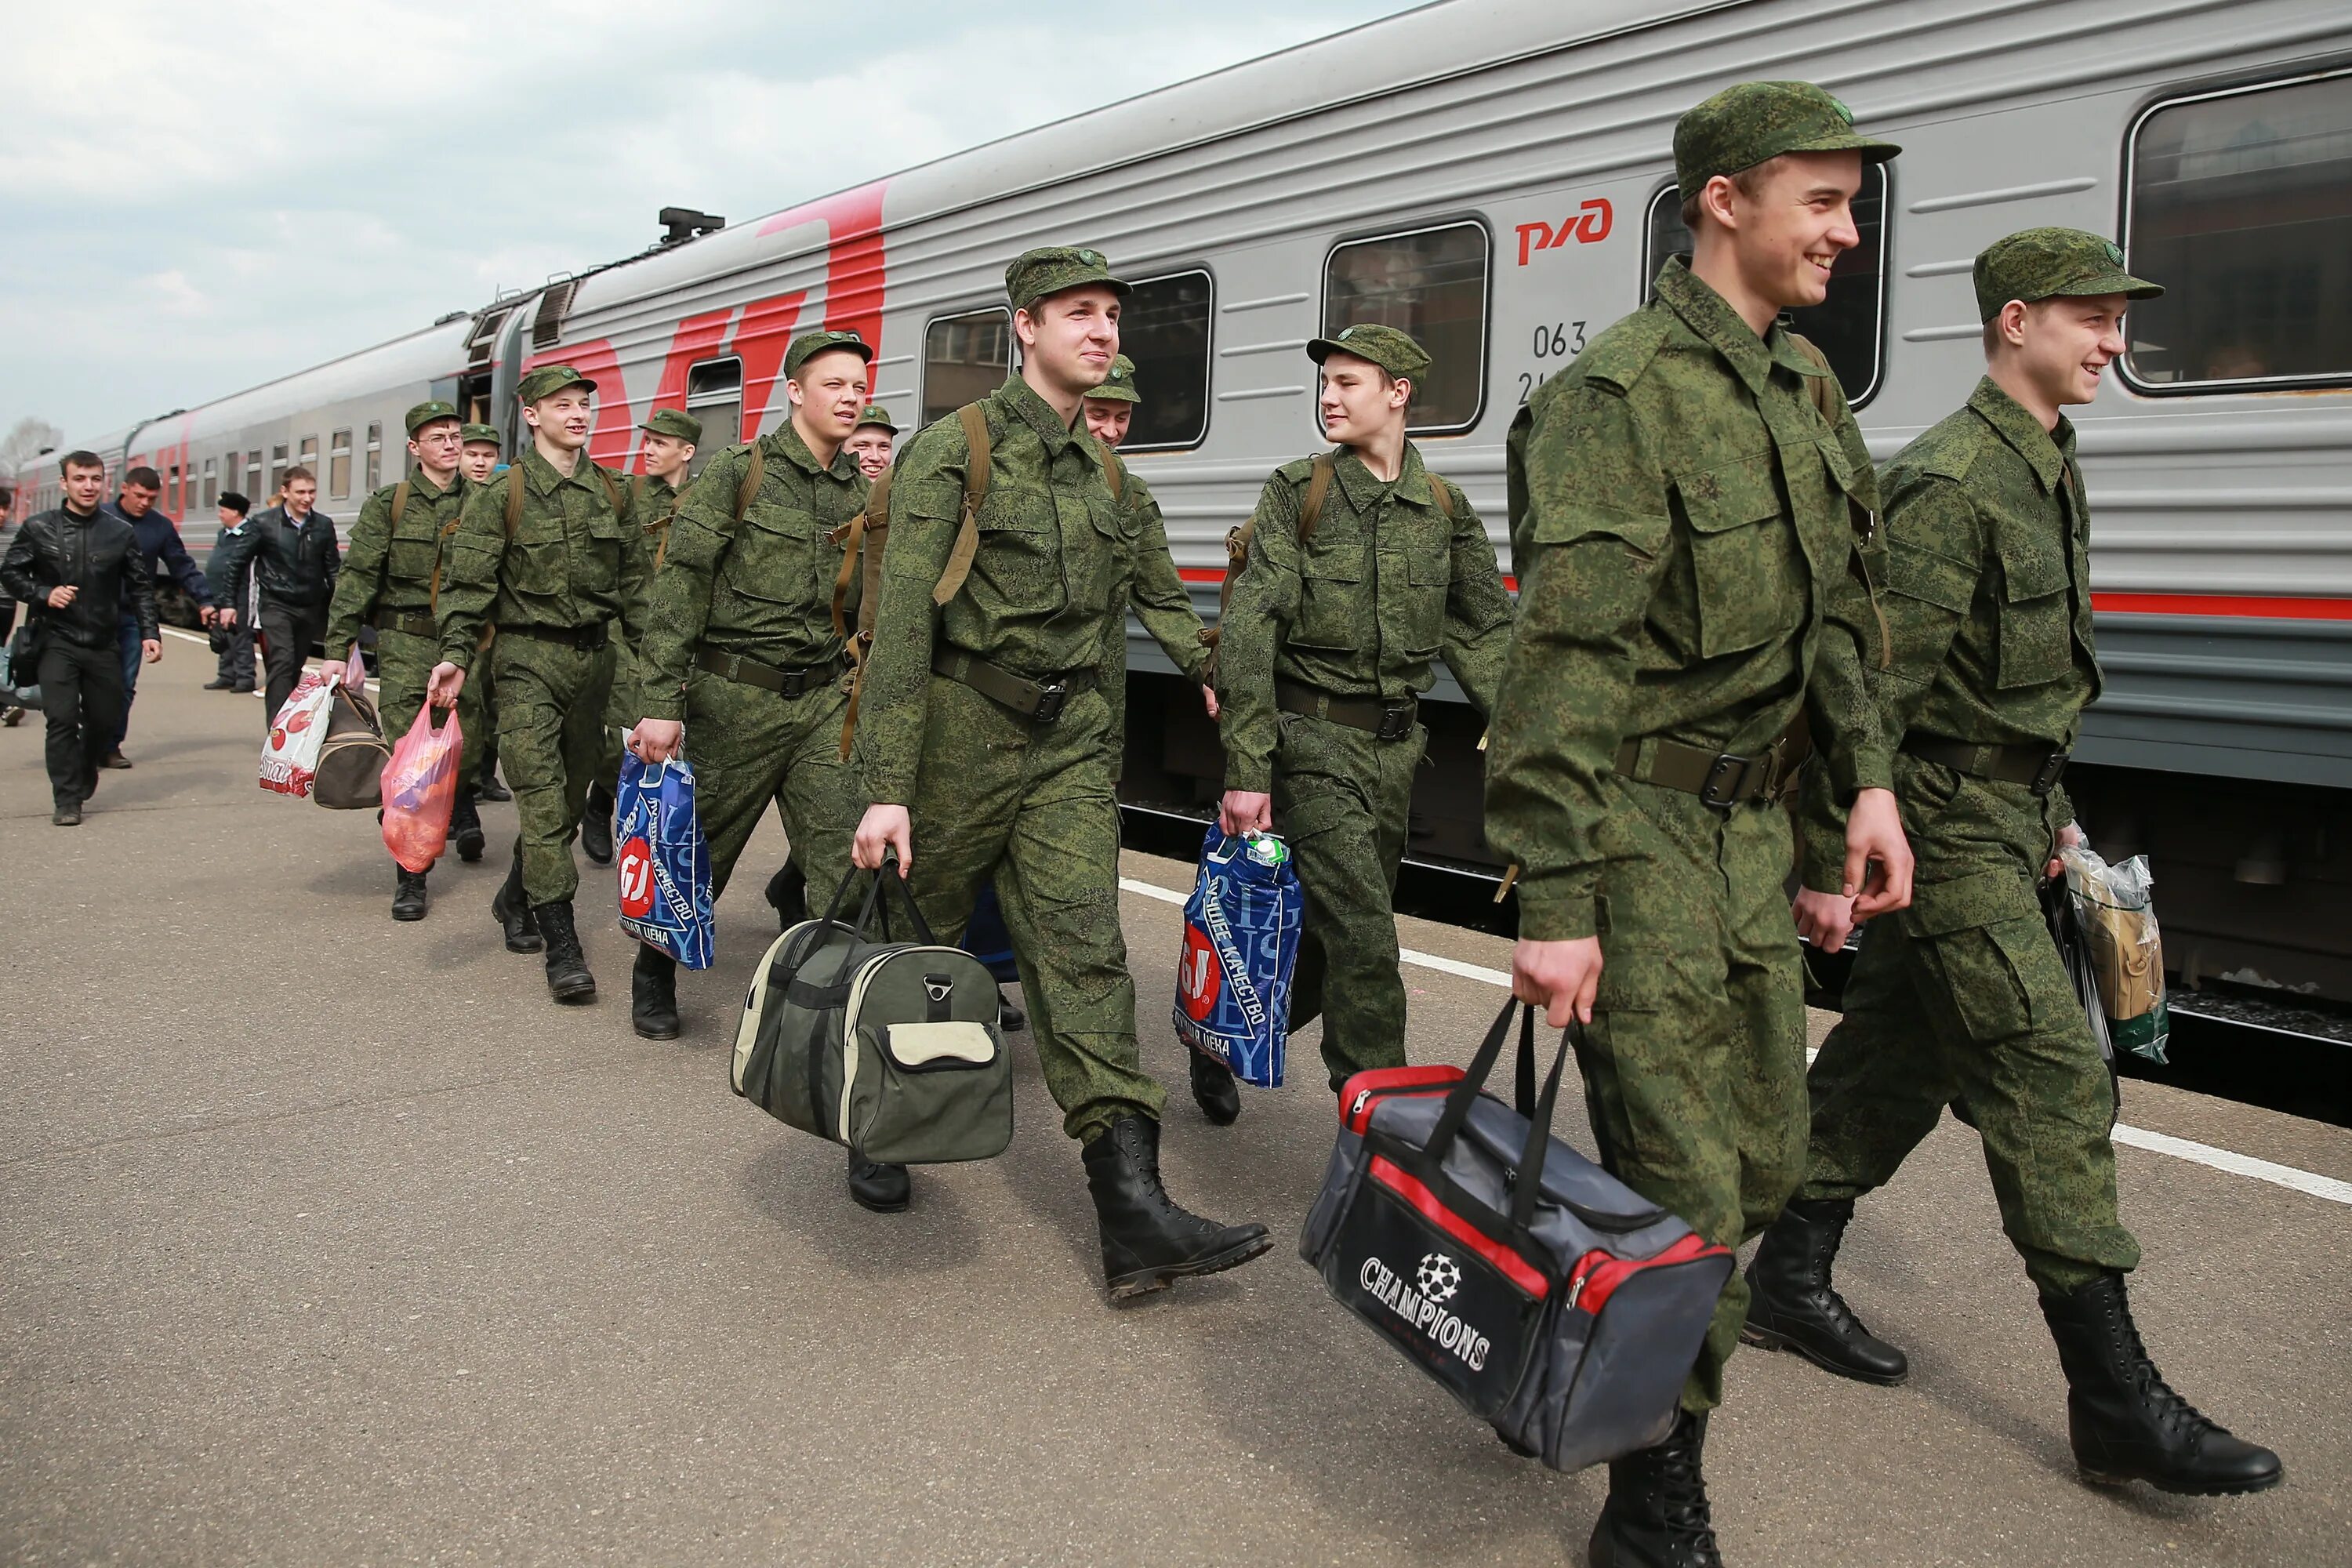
(328, 1240)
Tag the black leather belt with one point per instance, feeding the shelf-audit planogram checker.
(414, 623)
(587, 638)
(1385, 718)
(1040, 700)
(787, 680)
(1719, 778)
(2038, 768)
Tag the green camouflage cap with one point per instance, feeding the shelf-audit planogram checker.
(424, 413)
(1393, 351)
(808, 345)
(1742, 126)
(548, 379)
(1037, 274)
(2044, 263)
(1119, 386)
(473, 434)
(675, 422)
(874, 414)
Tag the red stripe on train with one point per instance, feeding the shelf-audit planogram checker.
(1217, 574)
(2262, 605)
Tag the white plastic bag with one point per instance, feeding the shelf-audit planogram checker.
(289, 757)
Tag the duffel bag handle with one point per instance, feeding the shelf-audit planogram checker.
(1529, 1183)
(888, 876)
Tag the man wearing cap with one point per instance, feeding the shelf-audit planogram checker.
(389, 571)
(551, 553)
(742, 659)
(1989, 604)
(478, 456)
(1689, 516)
(669, 437)
(985, 738)
(869, 444)
(477, 460)
(1326, 648)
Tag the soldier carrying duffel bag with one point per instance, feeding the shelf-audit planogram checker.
(1550, 1299)
(888, 1045)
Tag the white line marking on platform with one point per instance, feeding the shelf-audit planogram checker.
(2206, 1154)
(257, 694)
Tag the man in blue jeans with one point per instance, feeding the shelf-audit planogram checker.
(160, 550)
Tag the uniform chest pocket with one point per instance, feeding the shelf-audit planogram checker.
(603, 539)
(773, 557)
(2036, 619)
(1019, 559)
(537, 555)
(1414, 586)
(412, 554)
(1331, 591)
(1744, 557)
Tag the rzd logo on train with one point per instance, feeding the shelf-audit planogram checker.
(1587, 225)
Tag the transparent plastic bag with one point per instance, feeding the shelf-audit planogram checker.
(420, 789)
(2116, 915)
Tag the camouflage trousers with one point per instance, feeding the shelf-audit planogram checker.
(617, 719)
(1030, 806)
(403, 665)
(1694, 1063)
(750, 746)
(1341, 801)
(552, 700)
(1964, 995)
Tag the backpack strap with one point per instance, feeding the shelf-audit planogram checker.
(1438, 488)
(975, 490)
(1116, 472)
(612, 491)
(399, 501)
(862, 538)
(1318, 490)
(755, 474)
(514, 497)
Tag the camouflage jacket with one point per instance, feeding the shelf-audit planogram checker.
(1042, 598)
(761, 588)
(1152, 587)
(1688, 568)
(1385, 583)
(387, 567)
(656, 502)
(573, 559)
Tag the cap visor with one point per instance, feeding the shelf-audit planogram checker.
(1871, 150)
(1112, 395)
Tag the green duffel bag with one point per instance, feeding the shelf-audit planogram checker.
(888, 1046)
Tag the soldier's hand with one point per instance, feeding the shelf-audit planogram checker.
(447, 680)
(1209, 699)
(62, 595)
(657, 739)
(1877, 856)
(1246, 811)
(884, 828)
(2069, 837)
(1560, 977)
(152, 649)
(331, 670)
(1825, 920)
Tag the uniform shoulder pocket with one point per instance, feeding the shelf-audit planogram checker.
(1919, 573)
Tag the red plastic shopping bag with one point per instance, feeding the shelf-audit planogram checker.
(420, 789)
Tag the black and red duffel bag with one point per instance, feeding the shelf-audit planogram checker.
(1549, 1297)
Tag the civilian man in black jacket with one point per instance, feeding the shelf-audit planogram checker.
(294, 556)
(231, 595)
(77, 567)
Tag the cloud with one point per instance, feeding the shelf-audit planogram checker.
(204, 197)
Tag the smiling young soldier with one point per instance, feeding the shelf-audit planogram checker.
(389, 571)
(986, 739)
(741, 657)
(1362, 568)
(477, 705)
(551, 552)
(1964, 995)
(669, 437)
(869, 444)
(1691, 591)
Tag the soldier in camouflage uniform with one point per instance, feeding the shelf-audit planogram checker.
(390, 568)
(1328, 644)
(1693, 596)
(670, 440)
(560, 570)
(478, 459)
(741, 645)
(1964, 995)
(985, 738)
(870, 443)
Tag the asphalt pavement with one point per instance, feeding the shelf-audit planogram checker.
(328, 1240)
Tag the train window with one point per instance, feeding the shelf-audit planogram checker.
(1850, 326)
(1164, 329)
(375, 458)
(1431, 283)
(253, 491)
(714, 394)
(278, 466)
(212, 483)
(965, 358)
(339, 465)
(172, 487)
(2241, 205)
(311, 456)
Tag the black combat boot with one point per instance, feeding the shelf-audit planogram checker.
(409, 900)
(596, 824)
(1656, 1515)
(2125, 1424)
(1791, 1306)
(514, 912)
(568, 979)
(788, 894)
(490, 788)
(1213, 1089)
(465, 827)
(1146, 1239)
(885, 1189)
(1009, 1015)
(652, 995)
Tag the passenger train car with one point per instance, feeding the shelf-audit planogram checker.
(1494, 176)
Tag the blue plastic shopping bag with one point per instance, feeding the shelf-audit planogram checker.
(1241, 944)
(664, 861)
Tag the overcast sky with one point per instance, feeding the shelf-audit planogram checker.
(201, 197)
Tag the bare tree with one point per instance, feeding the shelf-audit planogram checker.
(21, 448)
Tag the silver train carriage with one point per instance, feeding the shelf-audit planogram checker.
(1494, 176)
